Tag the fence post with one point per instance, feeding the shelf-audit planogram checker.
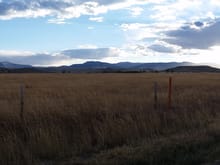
(155, 95)
(170, 94)
(22, 102)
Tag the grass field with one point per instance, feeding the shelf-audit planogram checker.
(109, 119)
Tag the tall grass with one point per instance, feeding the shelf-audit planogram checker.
(71, 117)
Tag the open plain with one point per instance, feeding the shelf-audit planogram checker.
(109, 119)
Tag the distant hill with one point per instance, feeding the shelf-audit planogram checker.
(9, 65)
(162, 66)
(103, 67)
(203, 68)
(127, 66)
(92, 65)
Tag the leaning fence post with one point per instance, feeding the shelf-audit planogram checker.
(22, 102)
(155, 95)
(170, 93)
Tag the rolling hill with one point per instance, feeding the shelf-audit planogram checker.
(197, 69)
(10, 65)
(103, 67)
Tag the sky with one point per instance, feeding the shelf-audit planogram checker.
(65, 32)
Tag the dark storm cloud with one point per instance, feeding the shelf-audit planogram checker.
(192, 38)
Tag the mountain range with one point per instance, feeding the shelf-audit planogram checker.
(100, 67)
(9, 65)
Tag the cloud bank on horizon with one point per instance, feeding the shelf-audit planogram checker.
(63, 32)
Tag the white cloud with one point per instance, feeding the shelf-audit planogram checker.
(90, 53)
(85, 53)
(185, 10)
(62, 10)
(128, 52)
(26, 14)
(87, 46)
(153, 31)
(57, 21)
(133, 26)
(174, 28)
(171, 11)
(136, 11)
(128, 3)
(96, 19)
(39, 59)
(91, 28)
(15, 53)
(215, 2)
(137, 31)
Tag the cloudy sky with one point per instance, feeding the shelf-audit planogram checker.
(64, 32)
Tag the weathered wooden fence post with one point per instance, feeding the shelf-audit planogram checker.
(170, 94)
(155, 95)
(22, 102)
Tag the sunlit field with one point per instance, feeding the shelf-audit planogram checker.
(109, 119)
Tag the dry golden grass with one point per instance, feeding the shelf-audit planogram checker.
(70, 116)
